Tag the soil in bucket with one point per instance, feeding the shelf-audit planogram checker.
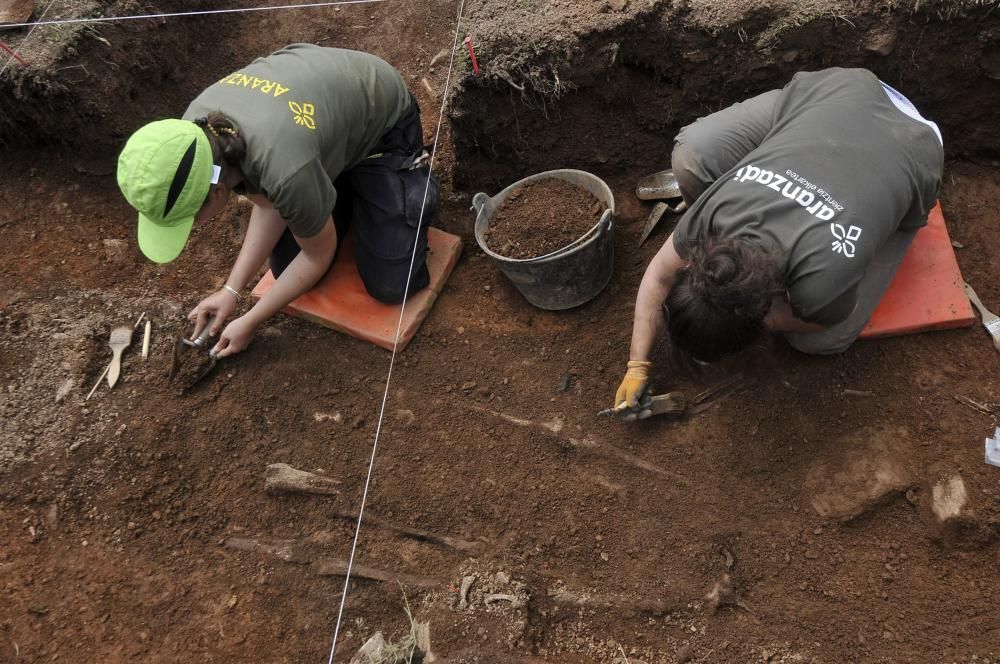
(540, 217)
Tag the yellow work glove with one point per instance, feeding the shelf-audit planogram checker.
(634, 386)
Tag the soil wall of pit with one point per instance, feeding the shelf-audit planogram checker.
(612, 99)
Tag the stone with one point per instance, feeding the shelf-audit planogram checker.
(114, 250)
(868, 468)
(617, 5)
(64, 389)
(371, 651)
(952, 521)
(881, 43)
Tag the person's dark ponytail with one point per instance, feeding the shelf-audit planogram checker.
(228, 146)
(720, 299)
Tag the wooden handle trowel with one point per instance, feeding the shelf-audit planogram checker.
(121, 338)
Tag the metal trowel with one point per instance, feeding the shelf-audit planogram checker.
(182, 345)
(661, 187)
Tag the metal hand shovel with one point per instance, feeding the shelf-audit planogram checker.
(661, 186)
(990, 320)
(197, 343)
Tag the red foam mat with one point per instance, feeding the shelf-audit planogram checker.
(926, 293)
(339, 301)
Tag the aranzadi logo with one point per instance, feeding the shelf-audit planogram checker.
(844, 240)
(303, 114)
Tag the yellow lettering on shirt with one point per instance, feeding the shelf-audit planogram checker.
(262, 85)
(303, 114)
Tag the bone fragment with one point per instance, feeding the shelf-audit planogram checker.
(463, 596)
(514, 600)
(473, 549)
(723, 594)
(337, 567)
(282, 478)
(286, 550)
(427, 86)
(587, 443)
(612, 452)
(443, 53)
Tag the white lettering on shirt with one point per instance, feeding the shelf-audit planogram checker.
(816, 201)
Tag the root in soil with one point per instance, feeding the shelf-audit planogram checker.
(541, 217)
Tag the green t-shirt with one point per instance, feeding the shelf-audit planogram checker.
(841, 169)
(307, 114)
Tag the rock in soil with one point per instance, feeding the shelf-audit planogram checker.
(541, 217)
(866, 472)
(952, 520)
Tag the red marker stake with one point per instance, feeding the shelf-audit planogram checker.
(472, 54)
(21, 60)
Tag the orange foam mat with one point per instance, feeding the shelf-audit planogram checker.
(926, 293)
(339, 301)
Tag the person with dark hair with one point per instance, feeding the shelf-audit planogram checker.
(802, 204)
(319, 139)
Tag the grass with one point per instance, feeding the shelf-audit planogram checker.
(796, 19)
(43, 46)
(403, 651)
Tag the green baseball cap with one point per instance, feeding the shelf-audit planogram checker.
(165, 172)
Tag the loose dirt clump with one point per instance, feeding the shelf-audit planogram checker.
(190, 366)
(541, 217)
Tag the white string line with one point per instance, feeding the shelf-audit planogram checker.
(395, 345)
(26, 37)
(238, 10)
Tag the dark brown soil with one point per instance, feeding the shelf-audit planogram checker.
(192, 365)
(541, 217)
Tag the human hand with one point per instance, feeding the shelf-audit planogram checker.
(214, 309)
(640, 411)
(235, 337)
(634, 386)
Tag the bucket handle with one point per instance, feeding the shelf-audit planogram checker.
(607, 221)
(479, 202)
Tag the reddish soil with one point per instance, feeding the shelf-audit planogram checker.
(114, 511)
(541, 217)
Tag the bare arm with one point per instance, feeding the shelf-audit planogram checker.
(263, 231)
(656, 283)
(302, 273)
(306, 268)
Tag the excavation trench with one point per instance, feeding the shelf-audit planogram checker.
(115, 513)
(612, 99)
(607, 98)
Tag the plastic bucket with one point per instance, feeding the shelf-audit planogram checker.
(567, 277)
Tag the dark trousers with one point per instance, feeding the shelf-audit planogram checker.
(381, 199)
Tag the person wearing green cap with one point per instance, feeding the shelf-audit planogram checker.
(320, 140)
